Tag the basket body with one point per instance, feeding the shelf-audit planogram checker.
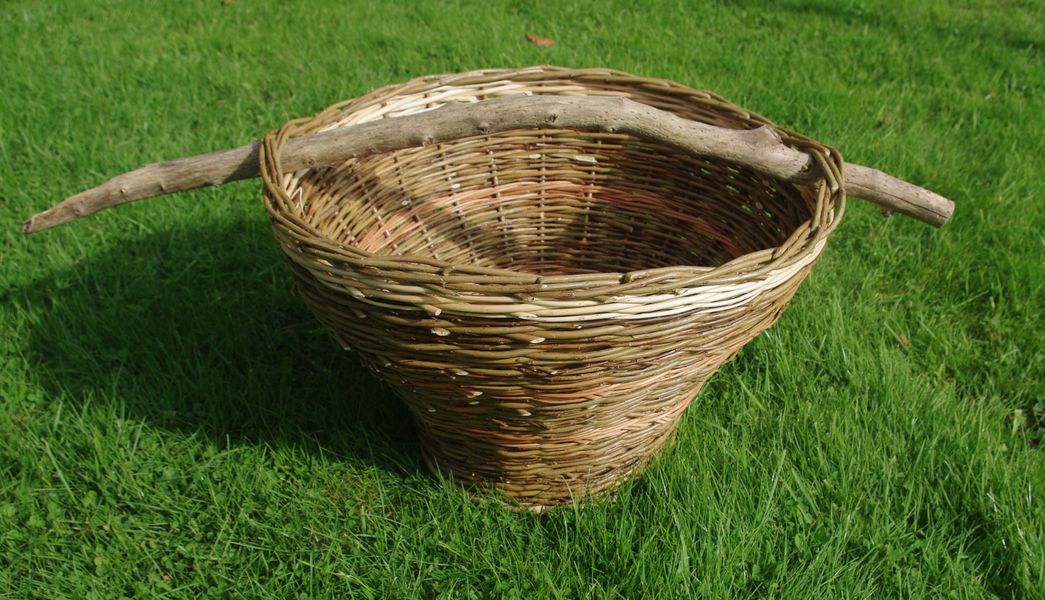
(546, 302)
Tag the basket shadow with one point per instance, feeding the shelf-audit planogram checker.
(196, 331)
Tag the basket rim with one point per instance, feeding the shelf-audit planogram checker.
(296, 232)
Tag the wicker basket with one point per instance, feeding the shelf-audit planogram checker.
(546, 302)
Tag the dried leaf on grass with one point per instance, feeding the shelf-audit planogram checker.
(541, 41)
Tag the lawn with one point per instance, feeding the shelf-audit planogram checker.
(173, 422)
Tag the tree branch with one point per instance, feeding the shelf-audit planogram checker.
(759, 149)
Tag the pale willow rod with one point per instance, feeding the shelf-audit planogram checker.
(760, 149)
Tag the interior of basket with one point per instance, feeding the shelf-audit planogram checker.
(552, 202)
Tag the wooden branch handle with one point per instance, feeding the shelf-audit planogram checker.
(760, 149)
(892, 194)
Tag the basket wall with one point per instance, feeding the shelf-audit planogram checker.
(545, 302)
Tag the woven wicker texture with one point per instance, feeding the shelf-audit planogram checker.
(546, 302)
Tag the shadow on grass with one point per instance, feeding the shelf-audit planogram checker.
(196, 331)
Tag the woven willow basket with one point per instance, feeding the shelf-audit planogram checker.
(545, 302)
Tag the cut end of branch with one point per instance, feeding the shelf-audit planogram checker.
(896, 195)
(56, 215)
(39, 222)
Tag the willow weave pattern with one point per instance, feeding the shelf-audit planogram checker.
(546, 302)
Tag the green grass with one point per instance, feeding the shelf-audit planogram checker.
(173, 422)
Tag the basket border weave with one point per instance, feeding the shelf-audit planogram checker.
(310, 247)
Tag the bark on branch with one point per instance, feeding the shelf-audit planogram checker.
(760, 149)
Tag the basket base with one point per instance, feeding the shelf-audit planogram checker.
(544, 471)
